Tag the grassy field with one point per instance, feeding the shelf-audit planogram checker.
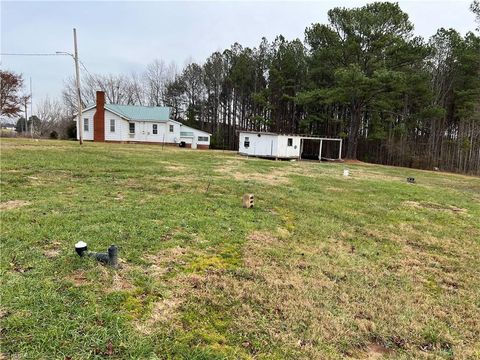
(323, 267)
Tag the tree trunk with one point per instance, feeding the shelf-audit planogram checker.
(353, 132)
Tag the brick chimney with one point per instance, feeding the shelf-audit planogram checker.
(99, 118)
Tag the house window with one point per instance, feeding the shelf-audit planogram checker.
(85, 124)
(246, 142)
(154, 129)
(112, 125)
(131, 127)
(203, 138)
(290, 142)
(171, 128)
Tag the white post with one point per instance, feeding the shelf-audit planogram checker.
(340, 151)
(320, 151)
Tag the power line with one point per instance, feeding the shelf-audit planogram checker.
(30, 54)
(84, 67)
(48, 54)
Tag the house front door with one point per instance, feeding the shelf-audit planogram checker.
(144, 131)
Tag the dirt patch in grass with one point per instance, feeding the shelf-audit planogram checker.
(120, 282)
(376, 351)
(334, 189)
(232, 169)
(262, 238)
(363, 174)
(163, 311)
(51, 253)
(52, 250)
(167, 309)
(274, 177)
(434, 206)
(111, 280)
(176, 168)
(78, 278)
(165, 261)
(3, 313)
(13, 204)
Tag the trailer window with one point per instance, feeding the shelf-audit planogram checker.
(289, 142)
(154, 129)
(246, 142)
(131, 127)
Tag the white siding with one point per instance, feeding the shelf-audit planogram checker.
(120, 125)
(269, 145)
(193, 140)
(197, 134)
(286, 151)
(144, 132)
(87, 135)
(186, 139)
(263, 145)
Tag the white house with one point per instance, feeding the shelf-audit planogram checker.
(138, 124)
(280, 146)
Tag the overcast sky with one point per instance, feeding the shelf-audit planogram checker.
(120, 37)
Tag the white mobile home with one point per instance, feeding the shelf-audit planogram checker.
(138, 124)
(281, 146)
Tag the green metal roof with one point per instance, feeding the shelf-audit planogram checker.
(143, 113)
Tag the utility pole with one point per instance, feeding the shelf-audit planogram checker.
(31, 108)
(26, 115)
(77, 71)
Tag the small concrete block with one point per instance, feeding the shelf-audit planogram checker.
(248, 200)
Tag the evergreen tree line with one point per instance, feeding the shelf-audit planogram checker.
(394, 97)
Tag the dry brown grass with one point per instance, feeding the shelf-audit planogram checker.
(284, 291)
(233, 168)
(52, 250)
(119, 279)
(376, 351)
(296, 297)
(434, 206)
(367, 174)
(164, 261)
(163, 311)
(13, 204)
(51, 253)
(78, 278)
(176, 168)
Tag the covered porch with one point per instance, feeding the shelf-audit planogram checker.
(320, 148)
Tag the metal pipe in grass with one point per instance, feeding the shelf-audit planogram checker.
(109, 258)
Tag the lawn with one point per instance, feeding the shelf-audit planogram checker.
(323, 266)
